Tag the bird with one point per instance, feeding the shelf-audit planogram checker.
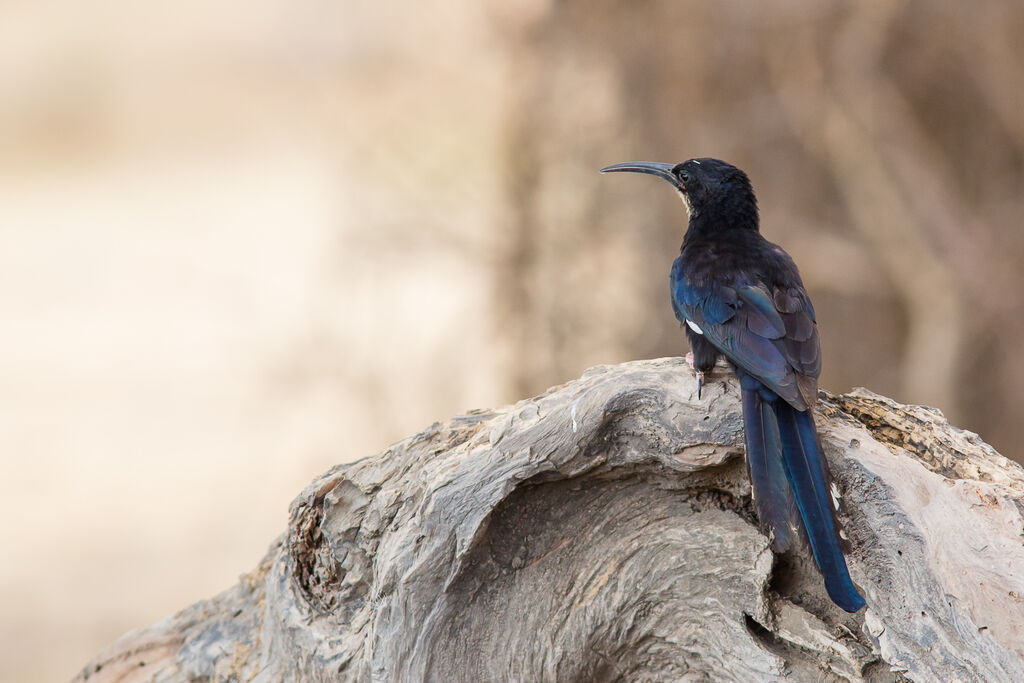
(740, 296)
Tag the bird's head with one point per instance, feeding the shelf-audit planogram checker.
(707, 186)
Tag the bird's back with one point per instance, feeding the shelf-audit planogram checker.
(747, 292)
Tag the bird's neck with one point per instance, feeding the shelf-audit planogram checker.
(726, 239)
(725, 219)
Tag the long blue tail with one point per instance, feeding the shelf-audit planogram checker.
(788, 476)
(807, 474)
(776, 509)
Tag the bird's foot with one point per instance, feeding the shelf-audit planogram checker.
(698, 373)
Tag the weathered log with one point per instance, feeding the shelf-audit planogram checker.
(604, 531)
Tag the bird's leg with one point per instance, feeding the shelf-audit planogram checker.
(698, 373)
(702, 357)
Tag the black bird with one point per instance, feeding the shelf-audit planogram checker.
(740, 296)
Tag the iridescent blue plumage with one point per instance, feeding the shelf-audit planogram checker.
(741, 297)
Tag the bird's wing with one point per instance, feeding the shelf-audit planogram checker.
(770, 333)
(803, 347)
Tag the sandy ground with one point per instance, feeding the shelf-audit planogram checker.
(175, 367)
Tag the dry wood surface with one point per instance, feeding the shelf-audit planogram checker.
(604, 531)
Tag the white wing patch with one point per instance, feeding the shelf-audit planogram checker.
(693, 326)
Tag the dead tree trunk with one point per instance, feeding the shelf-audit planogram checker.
(603, 531)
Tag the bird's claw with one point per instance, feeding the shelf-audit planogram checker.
(698, 373)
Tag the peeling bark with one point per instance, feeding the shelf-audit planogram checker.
(603, 531)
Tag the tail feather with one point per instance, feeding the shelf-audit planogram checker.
(769, 483)
(808, 479)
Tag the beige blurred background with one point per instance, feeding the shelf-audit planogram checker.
(241, 242)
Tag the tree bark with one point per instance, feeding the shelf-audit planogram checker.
(604, 531)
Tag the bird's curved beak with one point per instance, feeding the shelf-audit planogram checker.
(663, 171)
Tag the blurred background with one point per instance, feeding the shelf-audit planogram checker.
(241, 242)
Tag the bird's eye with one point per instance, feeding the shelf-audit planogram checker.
(684, 176)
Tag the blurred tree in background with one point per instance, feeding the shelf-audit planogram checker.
(885, 142)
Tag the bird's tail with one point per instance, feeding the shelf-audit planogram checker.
(773, 500)
(808, 480)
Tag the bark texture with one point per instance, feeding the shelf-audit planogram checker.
(603, 531)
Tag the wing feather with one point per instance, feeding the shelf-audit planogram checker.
(770, 333)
